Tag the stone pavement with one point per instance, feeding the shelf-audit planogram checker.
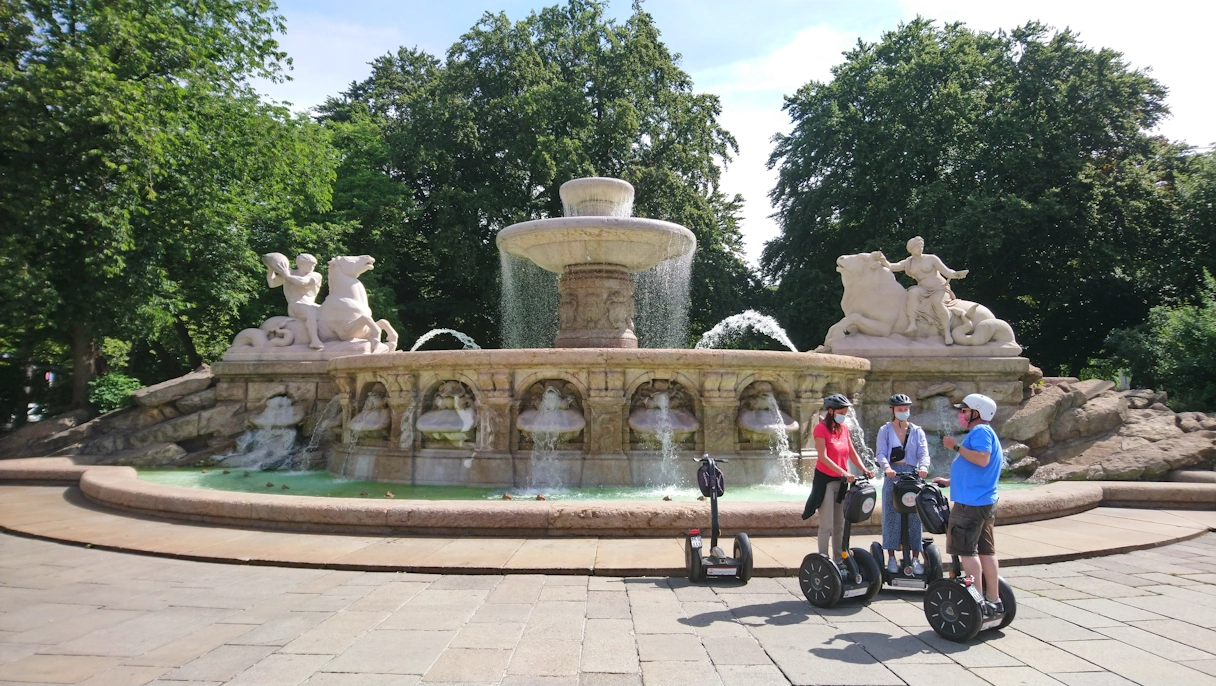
(78, 616)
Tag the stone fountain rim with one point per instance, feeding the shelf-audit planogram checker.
(811, 362)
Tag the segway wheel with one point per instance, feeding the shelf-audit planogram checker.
(743, 553)
(1010, 603)
(693, 563)
(876, 553)
(820, 581)
(870, 571)
(952, 612)
(933, 563)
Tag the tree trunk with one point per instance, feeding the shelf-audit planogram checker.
(183, 334)
(84, 359)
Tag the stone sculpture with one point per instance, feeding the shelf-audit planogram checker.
(882, 318)
(760, 414)
(341, 325)
(663, 406)
(453, 416)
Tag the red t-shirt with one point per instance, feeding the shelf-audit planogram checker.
(837, 443)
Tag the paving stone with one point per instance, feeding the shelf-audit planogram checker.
(712, 619)
(936, 675)
(890, 644)
(1181, 632)
(971, 655)
(735, 650)
(67, 669)
(608, 605)
(1120, 578)
(124, 675)
(334, 635)
(1068, 613)
(566, 593)
(80, 625)
(140, 634)
(546, 658)
(340, 679)
(460, 582)
(1040, 655)
(221, 664)
(1169, 649)
(37, 615)
(609, 646)
(469, 666)
(325, 582)
(1205, 666)
(1175, 608)
(503, 612)
(382, 652)
(670, 648)
(190, 647)
(282, 629)
(269, 608)
(388, 597)
(839, 663)
(1053, 629)
(751, 675)
(518, 680)
(281, 670)
(1014, 676)
(1092, 679)
(517, 589)
(679, 674)
(499, 635)
(1101, 588)
(1063, 594)
(1137, 665)
(606, 679)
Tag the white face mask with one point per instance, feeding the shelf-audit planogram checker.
(903, 416)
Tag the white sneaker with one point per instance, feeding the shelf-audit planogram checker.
(917, 568)
(893, 566)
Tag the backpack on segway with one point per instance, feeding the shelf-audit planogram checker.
(907, 489)
(826, 582)
(699, 566)
(954, 606)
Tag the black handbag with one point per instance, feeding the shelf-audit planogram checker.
(933, 508)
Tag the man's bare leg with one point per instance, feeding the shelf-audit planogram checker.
(992, 577)
(314, 338)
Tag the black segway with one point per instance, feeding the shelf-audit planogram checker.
(700, 566)
(826, 582)
(955, 607)
(907, 487)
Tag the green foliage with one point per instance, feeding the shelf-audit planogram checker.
(112, 391)
(1022, 156)
(141, 173)
(438, 156)
(1175, 351)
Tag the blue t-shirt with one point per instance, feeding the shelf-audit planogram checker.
(971, 484)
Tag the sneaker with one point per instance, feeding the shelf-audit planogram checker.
(998, 607)
(893, 566)
(917, 568)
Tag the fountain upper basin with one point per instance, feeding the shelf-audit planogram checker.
(634, 243)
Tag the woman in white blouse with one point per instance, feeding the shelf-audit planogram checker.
(903, 448)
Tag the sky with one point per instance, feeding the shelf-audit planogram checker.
(752, 54)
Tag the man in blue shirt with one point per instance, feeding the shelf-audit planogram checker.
(973, 477)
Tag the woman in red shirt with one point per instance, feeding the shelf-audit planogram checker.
(834, 446)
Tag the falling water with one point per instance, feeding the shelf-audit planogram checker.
(545, 469)
(528, 303)
(369, 403)
(859, 441)
(665, 440)
(779, 443)
(272, 443)
(465, 339)
(660, 303)
(733, 327)
(319, 429)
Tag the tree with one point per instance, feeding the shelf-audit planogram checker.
(138, 167)
(485, 138)
(1023, 156)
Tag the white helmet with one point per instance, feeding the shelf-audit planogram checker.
(980, 403)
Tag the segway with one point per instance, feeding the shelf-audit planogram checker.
(907, 487)
(716, 564)
(955, 607)
(826, 582)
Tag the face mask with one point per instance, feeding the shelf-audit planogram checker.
(964, 419)
(903, 416)
(840, 418)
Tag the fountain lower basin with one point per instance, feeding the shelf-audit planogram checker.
(604, 388)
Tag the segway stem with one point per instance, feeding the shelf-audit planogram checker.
(713, 518)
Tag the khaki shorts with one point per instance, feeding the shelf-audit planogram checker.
(970, 531)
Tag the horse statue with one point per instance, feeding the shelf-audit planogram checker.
(344, 320)
(874, 304)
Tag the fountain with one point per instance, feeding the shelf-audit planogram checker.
(599, 408)
(736, 325)
(465, 340)
(270, 443)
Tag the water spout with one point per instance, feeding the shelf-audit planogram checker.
(466, 340)
(272, 441)
(733, 327)
(779, 443)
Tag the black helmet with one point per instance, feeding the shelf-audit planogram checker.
(899, 399)
(836, 401)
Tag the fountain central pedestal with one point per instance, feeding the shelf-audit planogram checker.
(595, 248)
(596, 309)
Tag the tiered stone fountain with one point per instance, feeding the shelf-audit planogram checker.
(594, 409)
